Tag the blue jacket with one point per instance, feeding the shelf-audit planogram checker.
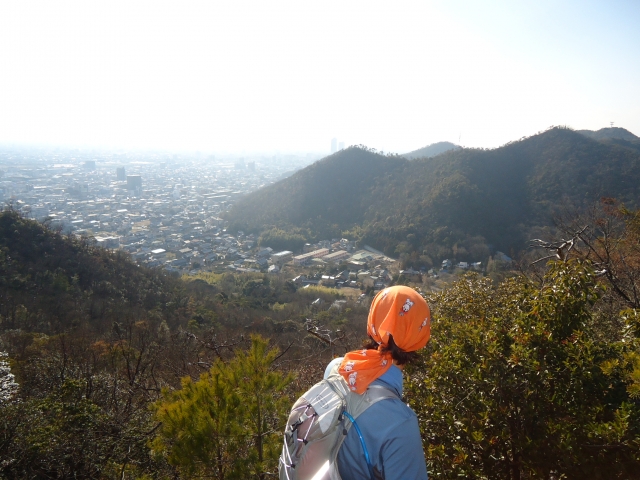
(392, 436)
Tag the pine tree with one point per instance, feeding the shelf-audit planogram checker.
(227, 424)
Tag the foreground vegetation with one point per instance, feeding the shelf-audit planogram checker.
(537, 376)
(519, 382)
(94, 340)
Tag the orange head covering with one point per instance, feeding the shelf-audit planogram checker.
(397, 311)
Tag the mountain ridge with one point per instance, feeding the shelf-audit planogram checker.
(431, 150)
(413, 206)
(610, 133)
(614, 136)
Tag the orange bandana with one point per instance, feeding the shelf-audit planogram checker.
(398, 311)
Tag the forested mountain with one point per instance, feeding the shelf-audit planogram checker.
(614, 136)
(458, 201)
(324, 198)
(49, 282)
(431, 150)
(610, 133)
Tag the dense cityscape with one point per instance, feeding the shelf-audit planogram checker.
(163, 209)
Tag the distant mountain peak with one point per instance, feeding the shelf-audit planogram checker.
(431, 150)
(610, 133)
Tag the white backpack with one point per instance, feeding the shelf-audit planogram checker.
(318, 424)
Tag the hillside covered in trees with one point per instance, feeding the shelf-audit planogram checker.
(89, 340)
(460, 200)
(614, 136)
(321, 199)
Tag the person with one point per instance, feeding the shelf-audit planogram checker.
(398, 325)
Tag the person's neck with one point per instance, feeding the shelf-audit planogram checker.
(401, 367)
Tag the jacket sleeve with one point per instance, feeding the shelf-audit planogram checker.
(402, 453)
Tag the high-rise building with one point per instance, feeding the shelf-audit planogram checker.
(341, 146)
(90, 165)
(120, 174)
(334, 145)
(134, 184)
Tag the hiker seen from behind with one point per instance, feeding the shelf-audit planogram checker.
(353, 425)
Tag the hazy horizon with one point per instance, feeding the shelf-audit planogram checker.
(260, 78)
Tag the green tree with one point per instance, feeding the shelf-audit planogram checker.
(227, 424)
(281, 240)
(518, 384)
(265, 407)
(63, 435)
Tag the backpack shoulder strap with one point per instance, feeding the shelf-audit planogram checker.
(358, 404)
(355, 403)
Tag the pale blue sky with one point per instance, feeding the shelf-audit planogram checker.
(290, 75)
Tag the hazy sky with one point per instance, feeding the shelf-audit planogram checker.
(290, 75)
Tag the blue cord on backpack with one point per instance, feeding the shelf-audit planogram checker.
(364, 447)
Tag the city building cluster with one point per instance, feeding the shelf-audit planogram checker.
(162, 209)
